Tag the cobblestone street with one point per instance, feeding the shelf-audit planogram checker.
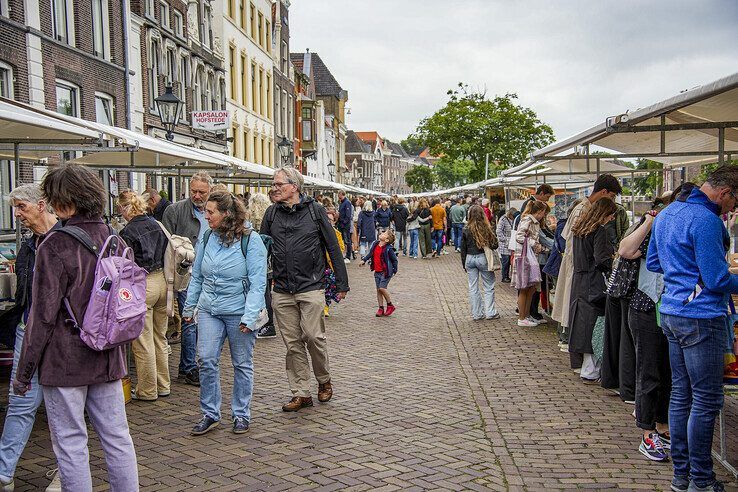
(425, 399)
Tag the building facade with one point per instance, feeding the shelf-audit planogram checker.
(334, 98)
(284, 80)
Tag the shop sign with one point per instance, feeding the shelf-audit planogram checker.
(211, 120)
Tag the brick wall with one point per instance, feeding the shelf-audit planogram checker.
(13, 52)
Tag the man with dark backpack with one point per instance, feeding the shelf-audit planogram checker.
(301, 234)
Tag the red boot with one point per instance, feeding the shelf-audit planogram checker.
(380, 312)
(390, 310)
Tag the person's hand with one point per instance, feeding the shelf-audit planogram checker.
(341, 295)
(187, 319)
(362, 263)
(244, 328)
(537, 248)
(19, 388)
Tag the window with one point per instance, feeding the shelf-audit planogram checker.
(150, 8)
(268, 37)
(6, 81)
(212, 93)
(290, 117)
(100, 29)
(231, 9)
(254, 147)
(260, 27)
(285, 53)
(104, 109)
(232, 72)
(244, 81)
(307, 124)
(252, 20)
(153, 73)
(253, 87)
(67, 98)
(206, 35)
(234, 144)
(278, 114)
(242, 13)
(178, 24)
(246, 139)
(198, 104)
(262, 99)
(164, 14)
(269, 100)
(171, 66)
(62, 21)
(182, 78)
(4, 8)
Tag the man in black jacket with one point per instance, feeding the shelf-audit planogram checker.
(345, 221)
(399, 218)
(301, 234)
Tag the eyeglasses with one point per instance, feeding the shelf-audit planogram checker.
(732, 193)
(280, 185)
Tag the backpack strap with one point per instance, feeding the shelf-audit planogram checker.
(245, 238)
(80, 235)
(206, 238)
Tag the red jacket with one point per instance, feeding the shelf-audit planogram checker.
(64, 268)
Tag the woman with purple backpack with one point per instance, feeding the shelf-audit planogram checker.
(76, 378)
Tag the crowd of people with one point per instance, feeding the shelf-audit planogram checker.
(641, 309)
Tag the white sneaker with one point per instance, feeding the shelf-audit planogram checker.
(527, 323)
(444, 252)
(536, 322)
(7, 486)
(346, 260)
(55, 485)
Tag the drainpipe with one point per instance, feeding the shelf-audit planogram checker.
(126, 7)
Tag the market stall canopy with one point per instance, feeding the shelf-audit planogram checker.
(684, 129)
(21, 124)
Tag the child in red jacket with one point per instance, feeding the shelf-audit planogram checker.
(383, 262)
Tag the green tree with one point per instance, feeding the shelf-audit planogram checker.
(419, 178)
(649, 184)
(412, 145)
(449, 173)
(471, 126)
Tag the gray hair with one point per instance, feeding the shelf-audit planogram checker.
(204, 177)
(293, 176)
(31, 193)
(485, 202)
(724, 176)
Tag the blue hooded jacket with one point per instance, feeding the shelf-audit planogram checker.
(688, 245)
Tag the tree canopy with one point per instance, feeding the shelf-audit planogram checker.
(471, 126)
(412, 145)
(419, 178)
(449, 173)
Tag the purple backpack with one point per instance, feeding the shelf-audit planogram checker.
(117, 308)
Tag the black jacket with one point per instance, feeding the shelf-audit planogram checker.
(301, 235)
(469, 246)
(147, 240)
(158, 212)
(399, 217)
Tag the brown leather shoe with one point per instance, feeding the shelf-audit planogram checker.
(325, 392)
(297, 403)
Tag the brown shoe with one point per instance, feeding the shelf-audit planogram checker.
(325, 392)
(297, 403)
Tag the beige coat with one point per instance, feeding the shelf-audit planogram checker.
(562, 298)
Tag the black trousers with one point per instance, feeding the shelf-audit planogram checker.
(653, 371)
(268, 300)
(618, 356)
(346, 234)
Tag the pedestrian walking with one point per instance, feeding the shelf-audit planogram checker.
(145, 237)
(400, 214)
(301, 235)
(383, 216)
(423, 215)
(227, 290)
(186, 218)
(504, 231)
(258, 203)
(475, 238)
(382, 259)
(357, 203)
(413, 229)
(592, 255)
(345, 216)
(438, 213)
(688, 246)
(367, 228)
(458, 217)
(76, 380)
(32, 210)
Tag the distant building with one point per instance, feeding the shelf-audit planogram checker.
(284, 78)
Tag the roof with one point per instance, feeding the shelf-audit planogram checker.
(355, 145)
(396, 148)
(371, 138)
(297, 60)
(325, 83)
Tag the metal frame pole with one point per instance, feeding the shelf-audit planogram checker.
(16, 156)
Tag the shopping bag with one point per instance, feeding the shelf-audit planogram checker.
(598, 338)
(532, 259)
(527, 270)
(494, 262)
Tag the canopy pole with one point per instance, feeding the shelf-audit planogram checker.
(586, 156)
(180, 184)
(16, 156)
(632, 195)
(598, 167)
(663, 134)
(721, 146)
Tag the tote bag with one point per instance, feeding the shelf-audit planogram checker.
(494, 262)
(527, 270)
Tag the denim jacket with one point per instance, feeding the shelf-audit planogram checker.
(225, 283)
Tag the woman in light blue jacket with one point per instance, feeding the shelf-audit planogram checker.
(227, 290)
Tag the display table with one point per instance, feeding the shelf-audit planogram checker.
(7, 286)
(730, 391)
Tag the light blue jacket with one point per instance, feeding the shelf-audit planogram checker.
(224, 282)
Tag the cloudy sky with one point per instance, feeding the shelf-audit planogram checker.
(573, 62)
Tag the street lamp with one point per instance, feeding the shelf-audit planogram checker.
(331, 169)
(285, 147)
(169, 107)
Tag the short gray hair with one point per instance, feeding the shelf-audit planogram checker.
(31, 193)
(293, 176)
(204, 177)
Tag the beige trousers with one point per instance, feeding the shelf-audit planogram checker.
(300, 320)
(150, 349)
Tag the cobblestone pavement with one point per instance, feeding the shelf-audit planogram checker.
(425, 399)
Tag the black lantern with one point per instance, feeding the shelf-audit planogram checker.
(285, 148)
(169, 107)
(331, 169)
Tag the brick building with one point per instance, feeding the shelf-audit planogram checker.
(284, 78)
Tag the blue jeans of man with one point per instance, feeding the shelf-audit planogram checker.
(696, 348)
(414, 242)
(401, 242)
(505, 266)
(457, 229)
(437, 240)
(212, 332)
(476, 265)
(19, 417)
(188, 348)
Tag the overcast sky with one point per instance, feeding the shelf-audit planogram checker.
(573, 62)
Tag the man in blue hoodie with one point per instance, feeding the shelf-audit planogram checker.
(688, 245)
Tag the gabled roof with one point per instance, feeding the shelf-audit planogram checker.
(297, 60)
(396, 148)
(371, 138)
(355, 145)
(325, 83)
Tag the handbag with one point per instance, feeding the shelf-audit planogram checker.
(598, 338)
(527, 270)
(494, 262)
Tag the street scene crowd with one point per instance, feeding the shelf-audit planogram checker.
(641, 308)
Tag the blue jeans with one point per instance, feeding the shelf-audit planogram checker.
(188, 347)
(476, 265)
(19, 417)
(696, 348)
(458, 229)
(212, 332)
(414, 242)
(401, 242)
(437, 241)
(505, 266)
